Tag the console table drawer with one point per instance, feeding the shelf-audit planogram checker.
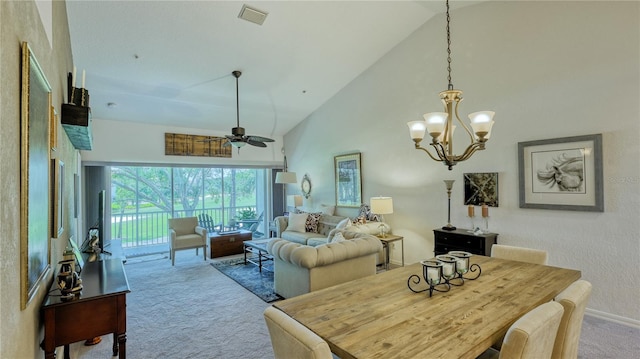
(463, 240)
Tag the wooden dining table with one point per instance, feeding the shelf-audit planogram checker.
(379, 317)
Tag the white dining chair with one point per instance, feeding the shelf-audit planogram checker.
(521, 254)
(290, 339)
(532, 336)
(574, 300)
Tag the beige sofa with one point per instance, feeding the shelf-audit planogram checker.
(325, 225)
(300, 268)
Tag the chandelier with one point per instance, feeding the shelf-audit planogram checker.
(440, 124)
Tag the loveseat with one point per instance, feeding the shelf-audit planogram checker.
(300, 268)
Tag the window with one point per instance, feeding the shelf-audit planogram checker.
(144, 198)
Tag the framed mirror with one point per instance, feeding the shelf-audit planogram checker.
(305, 185)
(34, 177)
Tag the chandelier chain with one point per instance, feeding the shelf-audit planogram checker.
(449, 49)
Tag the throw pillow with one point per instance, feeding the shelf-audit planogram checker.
(345, 223)
(365, 211)
(297, 222)
(360, 220)
(338, 237)
(311, 224)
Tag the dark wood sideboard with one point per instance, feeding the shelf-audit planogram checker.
(99, 309)
(463, 240)
(225, 244)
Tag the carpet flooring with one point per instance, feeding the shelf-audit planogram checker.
(192, 310)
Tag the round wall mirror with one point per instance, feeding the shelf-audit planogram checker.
(305, 185)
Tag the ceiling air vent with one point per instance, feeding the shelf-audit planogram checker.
(252, 14)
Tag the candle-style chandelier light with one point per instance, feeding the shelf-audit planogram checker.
(440, 124)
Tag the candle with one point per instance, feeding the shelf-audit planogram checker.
(447, 270)
(485, 211)
(83, 73)
(462, 265)
(433, 275)
(471, 210)
(73, 77)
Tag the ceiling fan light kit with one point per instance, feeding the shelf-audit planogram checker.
(237, 138)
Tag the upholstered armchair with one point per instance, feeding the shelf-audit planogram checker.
(186, 234)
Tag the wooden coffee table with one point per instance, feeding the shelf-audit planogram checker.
(258, 247)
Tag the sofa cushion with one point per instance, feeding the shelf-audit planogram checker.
(300, 237)
(297, 222)
(318, 241)
(311, 224)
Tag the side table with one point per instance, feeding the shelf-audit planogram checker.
(386, 240)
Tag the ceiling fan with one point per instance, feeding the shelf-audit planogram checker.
(237, 137)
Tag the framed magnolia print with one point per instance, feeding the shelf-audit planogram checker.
(348, 180)
(562, 173)
(34, 176)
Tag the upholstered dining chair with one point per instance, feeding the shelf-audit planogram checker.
(290, 339)
(574, 300)
(185, 233)
(521, 254)
(532, 336)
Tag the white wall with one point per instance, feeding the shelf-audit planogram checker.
(129, 142)
(548, 69)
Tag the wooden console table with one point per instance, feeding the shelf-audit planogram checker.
(99, 309)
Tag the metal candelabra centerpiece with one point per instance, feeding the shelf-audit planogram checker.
(446, 270)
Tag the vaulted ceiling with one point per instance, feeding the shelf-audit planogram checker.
(170, 62)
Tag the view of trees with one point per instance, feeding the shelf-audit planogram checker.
(142, 198)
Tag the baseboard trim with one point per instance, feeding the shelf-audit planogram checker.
(613, 318)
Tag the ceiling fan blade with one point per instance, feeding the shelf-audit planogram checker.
(255, 143)
(259, 138)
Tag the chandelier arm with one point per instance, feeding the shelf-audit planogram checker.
(441, 151)
(418, 147)
(466, 128)
(469, 151)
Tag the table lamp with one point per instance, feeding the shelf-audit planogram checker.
(294, 201)
(382, 206)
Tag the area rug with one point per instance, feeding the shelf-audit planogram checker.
(249, 276)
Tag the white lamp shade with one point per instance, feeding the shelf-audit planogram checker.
(294, 200)
(417, 129)
(381, 205)
(286, 177)
(435, 122)
(482, 122)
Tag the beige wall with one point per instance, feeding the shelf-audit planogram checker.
(20, 330)
(548, 69)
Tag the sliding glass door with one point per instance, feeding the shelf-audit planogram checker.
(144, 198)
